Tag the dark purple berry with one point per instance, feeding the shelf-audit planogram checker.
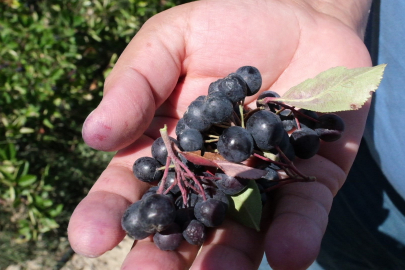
(146, 169)
(195, 233)
(168, 239)
(252, 77)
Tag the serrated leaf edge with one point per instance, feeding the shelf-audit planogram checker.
(289, 101)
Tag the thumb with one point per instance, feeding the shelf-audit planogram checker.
(143, 77)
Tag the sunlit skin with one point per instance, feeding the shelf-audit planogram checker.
(171, 61)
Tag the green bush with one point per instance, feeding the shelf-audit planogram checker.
(54, 57)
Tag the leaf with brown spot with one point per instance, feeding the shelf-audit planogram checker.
(336, 89)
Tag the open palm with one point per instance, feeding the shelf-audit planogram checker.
(171, 61)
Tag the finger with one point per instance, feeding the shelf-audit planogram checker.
(146, 255)
(143, 77)
(231, 246)
(95, 225)
(343, 151)
(300, 217)
(293, 240)
(93, 229)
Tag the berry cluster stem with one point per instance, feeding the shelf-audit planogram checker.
(288, 167)
(180, 168)
(285, 106)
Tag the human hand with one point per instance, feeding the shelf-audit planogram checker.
(200, 42)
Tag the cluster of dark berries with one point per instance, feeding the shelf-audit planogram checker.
(187, 197)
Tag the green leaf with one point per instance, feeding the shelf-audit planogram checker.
(48, 123)
(336, 89)
(247, 207)
(47, 203)
(11, 151)
(56, 211)
(27, 180)
(22, 170)
(48, 224)
(26, 130)
(94, 35)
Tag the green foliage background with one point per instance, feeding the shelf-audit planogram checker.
(54, 58)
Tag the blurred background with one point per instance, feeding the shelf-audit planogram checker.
(54, 58)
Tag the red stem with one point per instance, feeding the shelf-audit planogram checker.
(163, 181)
(179, 166)
(285, 106)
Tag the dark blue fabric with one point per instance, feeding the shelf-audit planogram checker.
(385, 125)
(366, 223)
